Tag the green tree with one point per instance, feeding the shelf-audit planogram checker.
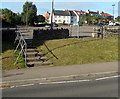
(29, 13)
(87, 17)
(40, 18)
(117, 18)
(9, 18)
(18, 20)
(97, 19)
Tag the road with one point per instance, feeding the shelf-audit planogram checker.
(93, 88)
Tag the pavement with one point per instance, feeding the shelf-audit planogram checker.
(59, 73)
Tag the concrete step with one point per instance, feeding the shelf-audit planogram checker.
(32, 54)
(30, 59)
(40, 54)
(43, 58)
(37, 58)
(33, 50)
(31, 46)
(37, 63)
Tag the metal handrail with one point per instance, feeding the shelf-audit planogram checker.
(22, 43)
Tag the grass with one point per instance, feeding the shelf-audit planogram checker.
(81, 51)
(68, 51)
(8, 57)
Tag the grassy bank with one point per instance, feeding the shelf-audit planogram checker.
(68, 51)
(8, 57)
(81, 51)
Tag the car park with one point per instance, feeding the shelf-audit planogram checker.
(55, 25)
(112, 24)
(47, 26)
(100, 24)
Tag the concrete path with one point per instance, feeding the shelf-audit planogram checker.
(37, 72)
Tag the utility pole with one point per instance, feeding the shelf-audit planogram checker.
(27, 18)
(52, 14)
(113, 11)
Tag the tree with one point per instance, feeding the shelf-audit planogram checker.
(117, 18)
(40, 18)
(18, 19)
(9, 18)
(87, 17)
(98, 19)
(29, 13)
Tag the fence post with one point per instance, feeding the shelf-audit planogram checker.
(78, 31)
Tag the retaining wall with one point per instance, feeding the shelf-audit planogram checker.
(41, 34)
(8, 35)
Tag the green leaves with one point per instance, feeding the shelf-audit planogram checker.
(29, 13)
(9, 18)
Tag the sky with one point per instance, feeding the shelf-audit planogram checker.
(45, 5)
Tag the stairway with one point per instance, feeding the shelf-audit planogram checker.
(34, 56)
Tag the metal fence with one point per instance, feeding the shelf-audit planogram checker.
(75, 30)
(23, 46)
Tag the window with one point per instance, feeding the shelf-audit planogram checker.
(55, 20)
(59, 20)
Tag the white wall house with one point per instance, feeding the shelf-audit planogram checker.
(79, 14)
(63, 16)
(92, 13)
(61, 19)
(73, 17)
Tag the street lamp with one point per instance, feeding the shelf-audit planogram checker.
(113, 11)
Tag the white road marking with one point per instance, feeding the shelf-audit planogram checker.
(105, 72)
(25, 85)
(12, 86)
(47, 78)
(107, 77)
(61, 82)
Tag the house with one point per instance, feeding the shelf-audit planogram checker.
(73, 17)
(1, 17)
(93, 13)
(63, 17)
(106, 16)
(79, 14)
(47, 16)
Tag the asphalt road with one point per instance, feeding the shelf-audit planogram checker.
(94, 88)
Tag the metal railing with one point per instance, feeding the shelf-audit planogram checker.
(23, 45)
